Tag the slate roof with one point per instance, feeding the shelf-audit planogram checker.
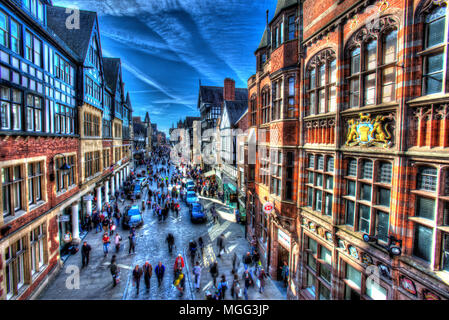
(111, 72)
(264, 41)
(76, 39)
(214, 95)
(283, 4)
(235, 110)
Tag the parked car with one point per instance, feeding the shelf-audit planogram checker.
(132, 217)
(137, 191)
(143, 181)
(191, 197)
(197, 213)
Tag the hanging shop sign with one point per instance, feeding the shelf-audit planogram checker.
(284, 239)
(64, 218)
(367, 260)
(353, 252)
(408, 285)
(268, 207)
(384, 271)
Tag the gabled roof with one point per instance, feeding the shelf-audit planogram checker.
(147, 116)
(128, 102)
(283, 4)
(111, 67)
(235, 110)
(77, 39)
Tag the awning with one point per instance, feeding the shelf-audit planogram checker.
(209, 173)
(230, 187)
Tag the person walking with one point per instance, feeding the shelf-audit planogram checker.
(117, 241)
(147, 273)
(222, 287)
(221, 245)
(85, 252)
(179, 282)
(115, 271)
(201, 245)
(247, 260)
(235, 263)
(192, 250)
(159, 270)
(106, 242)
(197, 275)
(261, 277)
(132, 243)
(248, 282)
(179, 263)
(137, 274)
(235, 288)
(214, 272)
(285, 273)
(170, 241)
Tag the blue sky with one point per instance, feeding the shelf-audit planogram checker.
(166, 46)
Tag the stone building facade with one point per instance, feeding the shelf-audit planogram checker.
(370, 150)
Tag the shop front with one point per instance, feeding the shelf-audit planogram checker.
(283, 254)
(230, 194)
(242, 208)
(65, 232)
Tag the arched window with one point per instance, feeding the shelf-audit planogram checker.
(372, 55)
(322, 78)
(265, 114)
(435, 35)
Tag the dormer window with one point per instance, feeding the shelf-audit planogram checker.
(36, 8)
(291, 28)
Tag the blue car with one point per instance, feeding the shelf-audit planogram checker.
(197, 212)
(190, 183)
(137, 193)
(191, 197)
(132, 218)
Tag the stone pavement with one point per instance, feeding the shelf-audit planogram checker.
(95, 279)
(234, 242)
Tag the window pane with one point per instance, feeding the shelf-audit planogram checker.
(321, 101)
(333, 71)
(309, 197)
(322, 75)
(426, 208)
(355, 61)
(351, 188)
(332, 103)
(370, 89)
(312, 103)
(422, 246)
(352, 168)
(384, 173)
(353, 275)
(364, 221)
(350, 213)
(330, 164)
(389, 49)
(319, 180)
(427, 179)
(433, 73)
(383, 197)
(312, 78)
(382, 220)
(325, 293)
(311, 283)
(320, 163)
(365, 192)
(354, 94)
(371, 55)
(374, 291)
(319, 200)
(328, 209)
(445, 253)
(435, 26)
(388, 84)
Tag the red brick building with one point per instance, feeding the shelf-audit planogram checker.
(370, 150)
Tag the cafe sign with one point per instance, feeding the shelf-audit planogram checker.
(284, 239)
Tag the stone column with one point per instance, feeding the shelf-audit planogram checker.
(106, 191)
(89, 206)
(117, 183)
(75, 224)
(112, 181)
(99, 202)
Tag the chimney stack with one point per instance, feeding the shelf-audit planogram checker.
(229, 89)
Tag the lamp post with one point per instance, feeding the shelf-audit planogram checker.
(64, 168)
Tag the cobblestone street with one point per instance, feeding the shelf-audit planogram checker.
(96, 280)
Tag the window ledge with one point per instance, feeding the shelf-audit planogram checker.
(63, 191)
(431, 49)
(11, 218)
(423, 221)
(36, 205)
(429, 99)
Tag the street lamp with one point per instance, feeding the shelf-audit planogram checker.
(393, 247)
(64, 168)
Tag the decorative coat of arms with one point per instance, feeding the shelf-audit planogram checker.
(368, 132)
